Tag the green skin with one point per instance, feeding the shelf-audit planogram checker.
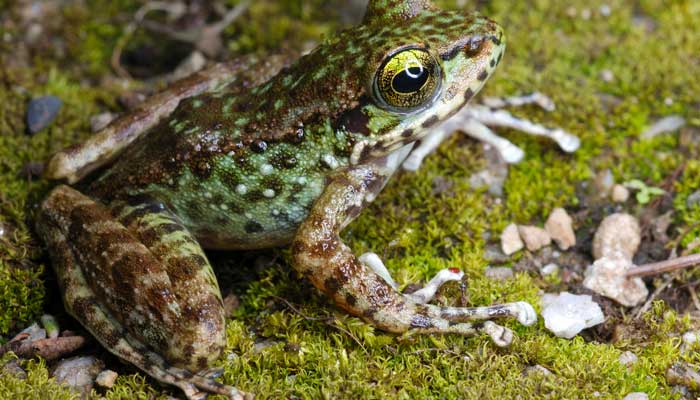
(251, 155)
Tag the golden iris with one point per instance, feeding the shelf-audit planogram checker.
(408, 79)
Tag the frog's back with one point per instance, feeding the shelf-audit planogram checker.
(242, 167)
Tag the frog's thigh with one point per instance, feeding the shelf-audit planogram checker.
(122, 294)
(324, 259)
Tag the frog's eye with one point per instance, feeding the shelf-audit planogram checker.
(408, 79)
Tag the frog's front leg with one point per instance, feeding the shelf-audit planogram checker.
(476, 120)
(323, 258)
(139, 282)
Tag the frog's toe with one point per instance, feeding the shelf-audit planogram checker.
(501, 336)
(526, 314)
(427, 293)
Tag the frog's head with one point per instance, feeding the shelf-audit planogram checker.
(424, 65)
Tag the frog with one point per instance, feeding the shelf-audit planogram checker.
(255, 153)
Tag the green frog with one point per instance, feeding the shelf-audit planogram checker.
(257, 153)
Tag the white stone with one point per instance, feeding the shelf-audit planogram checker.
(499, 273)
(106, 378)
(559, 225)
(534, 237)
(628, 358)
(549, 269)
(79, 372)
(618, 236)
(636, 396)
(567, 314)
(607, 277)
(510, 240)
(620, 194)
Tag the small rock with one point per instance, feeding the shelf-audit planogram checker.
(193, 63)
(620, 194)
(494, 255)
(607, 277)
(618, 236)
(13, 368)
(636, 396)
(35, 332)
(100, 121)
(628, 358)
(549, 269)
(79, 373)
(537, 369)
(41, 112)
(567, 314)
(681, 373)
(510, 240)
(231, 303)
(607, 75)
(106, 378)
(499, 273)
(668, 124)
(559, 225)
(535, 238)
(693, 200)
(604, 182)
(441, 185)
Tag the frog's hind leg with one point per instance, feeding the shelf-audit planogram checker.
(124, 289)
(362, 289)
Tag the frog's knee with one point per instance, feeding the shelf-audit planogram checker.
(198, 340)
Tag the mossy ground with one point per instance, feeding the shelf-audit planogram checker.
(652, 48)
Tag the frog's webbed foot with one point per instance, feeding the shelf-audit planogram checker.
(477, 119)
(364, 287)
(500, 335)
(137, 280)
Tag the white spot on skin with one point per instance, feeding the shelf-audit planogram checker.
(241, 189)
(275, 212)
(301, 180)
(269, 193)
(266, 169)
(208, 195)
(330, 161)
(224, 207)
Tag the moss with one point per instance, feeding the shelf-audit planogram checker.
(315, 350)
(36, 385)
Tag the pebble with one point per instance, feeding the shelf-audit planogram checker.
(628, 358)
(106, 378)
(620, 194)
(681, 373)
(618, 236)
(511, 242)
(534, 237)
(636, 396)
(604, 182)
(100, 121)
(78, 372)
(41, 111)
(537, 369)
(549, 269)
(559, 226)
(664, 125)
(607, 277)
(499, 273)
(693, 200)
(607, 75)
(567, 314)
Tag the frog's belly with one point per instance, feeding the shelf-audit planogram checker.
(244, 216)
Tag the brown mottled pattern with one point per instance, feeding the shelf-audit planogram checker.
(171, 290)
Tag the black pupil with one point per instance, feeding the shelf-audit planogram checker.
(410, 80)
